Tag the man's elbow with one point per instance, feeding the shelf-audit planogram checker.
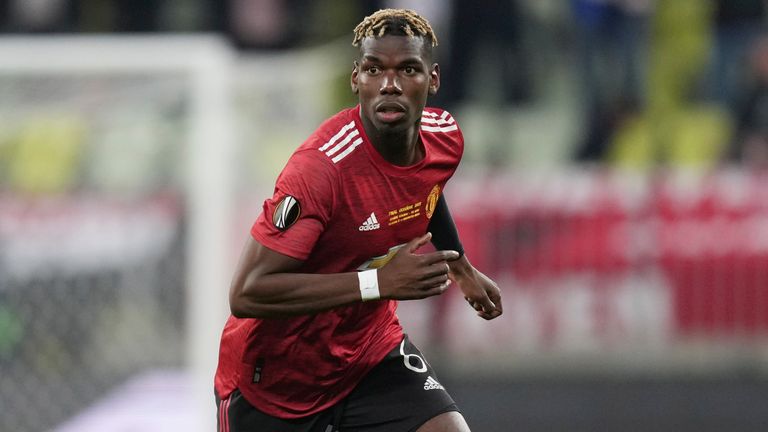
(237, 307)
(241, 305)
(249, 309)
(238, 311)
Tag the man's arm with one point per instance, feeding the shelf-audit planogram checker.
(479, 290)
(265, 284)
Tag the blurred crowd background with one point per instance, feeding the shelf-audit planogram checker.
(626, 64)
(614, 184)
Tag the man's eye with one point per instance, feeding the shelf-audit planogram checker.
(373, 70)
(409, 70)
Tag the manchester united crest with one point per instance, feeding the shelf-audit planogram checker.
(434, 195)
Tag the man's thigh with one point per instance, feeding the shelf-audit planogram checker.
(400, 394)
(446, 422)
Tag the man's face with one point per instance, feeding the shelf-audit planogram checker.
(392, 79)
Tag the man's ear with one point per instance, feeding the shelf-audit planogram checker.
(353, 78)
(434, 79)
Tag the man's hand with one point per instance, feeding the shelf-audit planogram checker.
(479, 290)
(410, 275)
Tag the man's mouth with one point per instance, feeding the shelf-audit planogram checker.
(388, 112)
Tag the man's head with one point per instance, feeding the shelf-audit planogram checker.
(394, 73)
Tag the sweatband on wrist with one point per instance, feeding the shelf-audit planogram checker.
(369, 284)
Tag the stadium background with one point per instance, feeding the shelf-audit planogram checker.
(614, 185)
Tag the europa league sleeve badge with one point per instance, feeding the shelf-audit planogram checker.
(286, 213)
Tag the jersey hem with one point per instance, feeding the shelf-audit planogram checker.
(292, 414)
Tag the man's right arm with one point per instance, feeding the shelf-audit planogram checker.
(266, 283)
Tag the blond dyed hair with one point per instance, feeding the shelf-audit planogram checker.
(394, 21)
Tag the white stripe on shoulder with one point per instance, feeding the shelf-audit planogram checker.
(439, 121)
(347, 151)
(342, 143)
(431, 122)
(439, 128)
(338, 135)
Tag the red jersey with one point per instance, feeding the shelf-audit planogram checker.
(339, 206)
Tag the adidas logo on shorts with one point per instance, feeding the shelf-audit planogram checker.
(432, 384)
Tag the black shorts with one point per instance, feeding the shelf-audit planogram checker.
(398, 395)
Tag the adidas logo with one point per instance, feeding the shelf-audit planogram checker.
(370, 224)
(432, 384)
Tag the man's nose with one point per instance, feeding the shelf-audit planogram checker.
(390, 83)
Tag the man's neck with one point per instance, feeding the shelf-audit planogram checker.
(400, 149)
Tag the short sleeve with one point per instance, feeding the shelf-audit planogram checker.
(296, 215)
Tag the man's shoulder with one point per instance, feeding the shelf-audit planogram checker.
(438, 121)
(336, 138)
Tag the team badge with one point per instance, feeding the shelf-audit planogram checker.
(434, 195)
(286, 213)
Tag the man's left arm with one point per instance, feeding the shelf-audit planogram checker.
(479, 290)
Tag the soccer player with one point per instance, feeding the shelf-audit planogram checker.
(313, 343)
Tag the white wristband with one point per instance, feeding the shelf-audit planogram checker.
(369, 284)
